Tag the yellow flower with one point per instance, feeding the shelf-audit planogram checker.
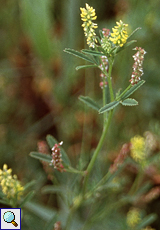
(119, 35)
(138, 149)
(87, 16)
(5, 167)
(133, 217)
(10, 185)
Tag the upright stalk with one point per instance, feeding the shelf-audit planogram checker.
(99, 146)
(105, 129)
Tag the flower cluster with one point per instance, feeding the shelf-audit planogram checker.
(137, 66)
(11, 187)
(87, 16)
(133, 217)
(57, 157)
(138, 149)
(103, 67)
(105, 41)
(119, 35)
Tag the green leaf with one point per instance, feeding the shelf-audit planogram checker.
(109, 106)
(44, 212)
(27, 198)
(85, 66)
(88, 101)
(52, 141)
(132, 89)
(1, 194)
(103, 52)
(39, 31)
(124, 46)
(133, 33)
(29, 184)
(147, 221)
(92, 52)
(78, 54)
(53, 189)
(96, 60)
(129, 102)
(41, 156)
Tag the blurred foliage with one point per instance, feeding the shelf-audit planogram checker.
(39, 87)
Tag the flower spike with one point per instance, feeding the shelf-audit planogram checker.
(119, 35)
(87, 16)
(57, 157)
(10, 185)
(137, 66)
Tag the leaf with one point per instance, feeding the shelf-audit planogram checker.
(102, 51)
(96, 60)
(53, 189)
(41, 156)
(52, 141)
(92, 52)
(85, 66)
(139, 28)
(29, 184)
(1, 194)
(132, 89)
(78, 54)
(147, 221)
(88, 101)
(129, 102)
(109, 106)
(124, 46)
(27, 198)
(42, 211)
(39, 31)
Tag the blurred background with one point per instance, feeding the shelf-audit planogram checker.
(39, 86)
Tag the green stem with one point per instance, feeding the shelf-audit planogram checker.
(136, 183)
(77, 202)
(110, 82)
(99, 146)
(69, 219)
(73, 170)
(105, 129)
(120, 96)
